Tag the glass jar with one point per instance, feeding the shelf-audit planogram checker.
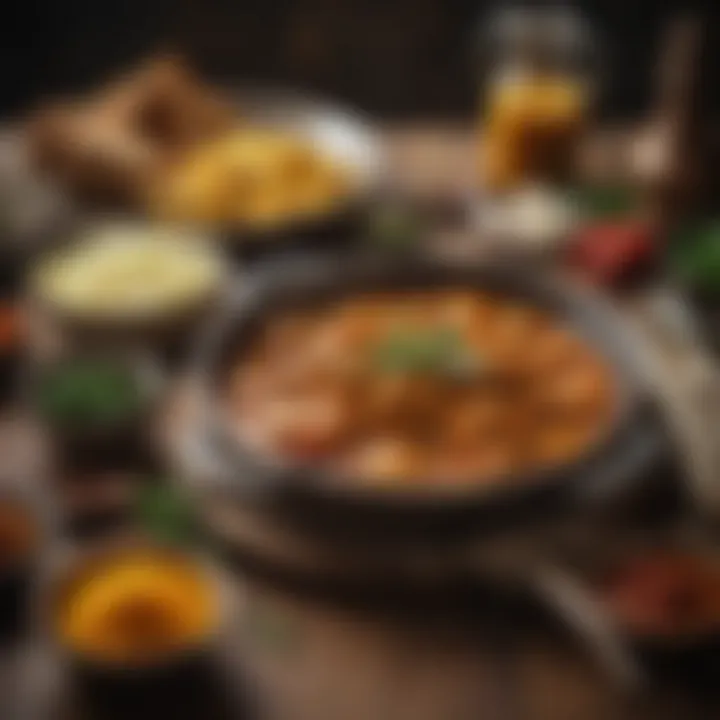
(537, 95)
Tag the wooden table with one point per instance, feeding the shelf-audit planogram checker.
(310, 660)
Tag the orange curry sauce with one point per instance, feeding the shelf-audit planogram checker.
(310, 390)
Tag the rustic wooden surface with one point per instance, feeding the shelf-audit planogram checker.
(310, 660)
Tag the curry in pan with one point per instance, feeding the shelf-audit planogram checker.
(442, 387)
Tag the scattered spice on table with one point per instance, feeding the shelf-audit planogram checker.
(11, 327)
(18, 533)
(165, 513)
(270, 629)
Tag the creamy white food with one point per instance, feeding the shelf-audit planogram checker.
(129, 270)
(532, 219)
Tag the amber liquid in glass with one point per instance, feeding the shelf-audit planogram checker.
(531, 128)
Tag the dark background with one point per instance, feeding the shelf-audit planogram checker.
(394, 58)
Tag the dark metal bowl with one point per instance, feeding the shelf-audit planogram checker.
(317, 501)
(689, 658)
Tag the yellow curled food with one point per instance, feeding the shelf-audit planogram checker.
(137, 606)
(250, 178)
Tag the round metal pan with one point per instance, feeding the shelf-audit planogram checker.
(628, 446)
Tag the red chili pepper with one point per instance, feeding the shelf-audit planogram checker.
(609, 251)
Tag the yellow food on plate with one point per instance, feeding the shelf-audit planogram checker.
(250, 178)
(136, 606)
(129, 270)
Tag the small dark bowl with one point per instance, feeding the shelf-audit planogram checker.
(336, 234)
(167, 684)
(686, 658)
(689, 661)
(691, 658)
(122, 445)
(316, 501)
(168, 338)
(166, 333)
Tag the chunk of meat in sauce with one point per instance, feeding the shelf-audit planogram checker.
(553, 443)
(404, 401)
(384, 459)
(304, 428)
(579, 390)
(488, 460)
(465, 311)
(552, 348)
(476, 418)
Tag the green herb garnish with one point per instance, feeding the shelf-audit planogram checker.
(395, 227)
(430, 351)
(604, 202)
(270, 629)
(695, 255)
(88, 393)
(166, 514)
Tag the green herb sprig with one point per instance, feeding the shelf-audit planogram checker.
(604, 202)
(440, 351)
(88, 394)
(395, 228)
(166, 514)
(695, 255)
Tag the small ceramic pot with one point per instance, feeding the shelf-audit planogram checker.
(166, 331)
(123, 445)
(688, 658)
(168, 685)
